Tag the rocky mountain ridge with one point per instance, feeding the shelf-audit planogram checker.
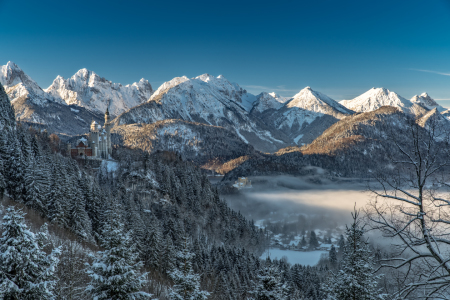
(268, 122)
(209, 100)
(86, 89)
(35, 107)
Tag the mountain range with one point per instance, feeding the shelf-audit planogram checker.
(194, 111)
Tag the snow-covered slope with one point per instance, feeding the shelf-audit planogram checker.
(209, 100)
(87, 89)
(426, 101)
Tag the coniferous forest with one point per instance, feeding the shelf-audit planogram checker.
(155, 228)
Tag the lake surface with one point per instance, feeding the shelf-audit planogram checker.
(309, 258)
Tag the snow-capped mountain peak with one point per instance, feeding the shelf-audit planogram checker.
(18, 84)
(166, 86)
(376, 98)
(265, 101)
(275, 95)
(315, 101)
(217, 87)
(219, 82)
(280, 98)
(87, 89)
(206, 77)
(426, 101)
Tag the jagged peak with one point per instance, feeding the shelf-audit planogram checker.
(426, 100)
(205, 77)
(265, 94)
(210, 78)
(380, 90)
(85, 74)
(12, 65)
(275, 95)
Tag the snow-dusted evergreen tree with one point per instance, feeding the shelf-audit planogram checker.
(356, 279)
(187, 284)
(152, 242)
(115, 272)
(270, 285)
(2, 180)
(26, 271)
(313, 242)
(333, 256)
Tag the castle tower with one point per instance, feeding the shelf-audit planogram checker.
(93, 138)
(108, 134)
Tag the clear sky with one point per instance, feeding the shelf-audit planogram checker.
(341, 48)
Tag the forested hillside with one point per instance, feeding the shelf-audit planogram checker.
(195, 142)
(153, 205)
(355, 146)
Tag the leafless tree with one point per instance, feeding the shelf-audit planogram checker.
(412, 207)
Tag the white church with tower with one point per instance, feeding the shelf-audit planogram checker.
(98, 144)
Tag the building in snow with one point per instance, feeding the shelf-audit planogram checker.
(242, 182)
(98, 144)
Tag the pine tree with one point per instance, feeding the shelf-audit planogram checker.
(115, 272)
(313, 243)
(303, 242)
(167, 258)
(269, 285)
(152, 242)
(71, 272)
(79, 221)
(2, 180)
(355, 280)
(31, 188)
(15, 169)
(341, 245)
(187, 284)
(333, 256)
(26, 271)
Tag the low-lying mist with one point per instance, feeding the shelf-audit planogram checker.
(318, 202)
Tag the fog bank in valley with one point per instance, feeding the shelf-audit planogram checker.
(323, 203)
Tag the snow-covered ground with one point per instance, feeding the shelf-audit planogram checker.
(308, 258)
(110, 166)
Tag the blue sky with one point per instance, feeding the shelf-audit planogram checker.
(341, 48)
